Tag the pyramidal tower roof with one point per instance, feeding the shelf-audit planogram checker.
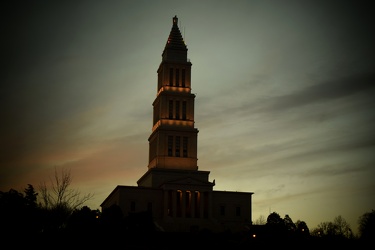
(175, 49)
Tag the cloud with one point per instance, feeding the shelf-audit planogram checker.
(326, 91)
(331, 170)
(262, 99)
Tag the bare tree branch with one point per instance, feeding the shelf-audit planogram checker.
(60, 195)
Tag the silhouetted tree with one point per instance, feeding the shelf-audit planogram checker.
(274, 219)
(59, 194)
(302, 231)
(343, 227)
(19, 214)
(289, 224)
(260, 221)
(286, 229)
(113, 213)
(290, 227)
(338, 229)
(12, 206)
(112, 221)
(323, 229)
(275, 226)
(31, 196)
(367, 226)
(58, 201)
(83, 219)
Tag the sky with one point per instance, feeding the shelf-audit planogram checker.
(284, 98)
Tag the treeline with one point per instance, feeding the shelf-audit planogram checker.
(60, 212)
(21, 213)
(338, 230)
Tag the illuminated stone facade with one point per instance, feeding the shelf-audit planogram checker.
(178, 195)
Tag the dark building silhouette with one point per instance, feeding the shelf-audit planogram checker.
(178, 195)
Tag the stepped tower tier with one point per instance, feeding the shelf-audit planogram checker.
(173, 141)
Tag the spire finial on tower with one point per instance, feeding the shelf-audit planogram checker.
(175, 49)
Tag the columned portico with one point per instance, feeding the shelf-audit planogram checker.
(187, 204)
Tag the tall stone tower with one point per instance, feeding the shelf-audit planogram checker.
(179, 197)
(173, 142)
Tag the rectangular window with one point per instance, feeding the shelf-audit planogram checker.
(170, 109)
(238, 211)
(171, 77)
(184, 110)
(184, 146)
(177, 109)
(183, 78)
(170, 145)
(177, 147)
(177, 77)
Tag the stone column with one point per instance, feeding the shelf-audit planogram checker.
(183, 203)
(192, 204)
(174, 204)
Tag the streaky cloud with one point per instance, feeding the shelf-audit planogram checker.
(332, 170)
(322, 92)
